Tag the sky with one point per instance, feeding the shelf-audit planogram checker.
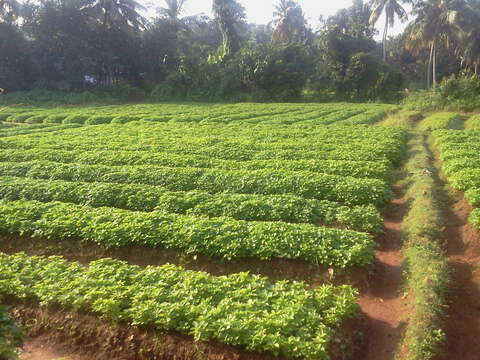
(261, 11)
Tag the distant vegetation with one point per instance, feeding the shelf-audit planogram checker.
(109, 52)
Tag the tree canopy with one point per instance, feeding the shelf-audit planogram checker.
(76, 45)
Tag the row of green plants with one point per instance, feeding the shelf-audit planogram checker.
(225, 151)
(260, 135)
(461, 163)
(204, 131)
(460, 159)
(216, 237)
(30, 131)
(220, 114)
(368, 117)
(286, 208)
(360, 169)
(284, 318)
(266, 131)
(442, 120)
(390, 147)
(285, 118)
(346, 190)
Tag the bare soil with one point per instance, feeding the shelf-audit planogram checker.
(36, 349)
(462, 245)
(274, 269)
(77, 336)
(58, 334)
(463, 250)
(382, 301)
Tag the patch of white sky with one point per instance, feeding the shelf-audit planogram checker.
(261, 11)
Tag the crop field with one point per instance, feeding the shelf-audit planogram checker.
(295, 182)
(243, 231)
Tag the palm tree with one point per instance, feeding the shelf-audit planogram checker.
(438, 23)
(173, 10)
(113, 16)
(289, 22)
(171, 13)
(391, 8)
(228, 14)
(9, 10)
(122, 12)
(468, 48)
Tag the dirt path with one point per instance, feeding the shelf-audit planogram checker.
(39, 350)
(382, 302)
(463, 250)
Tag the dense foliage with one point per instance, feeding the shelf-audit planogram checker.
(77, 49)
(454, 93)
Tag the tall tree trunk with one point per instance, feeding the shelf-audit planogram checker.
(106, 63)
(434, 66)
(385, 31)
(429, 68)
(476, 68)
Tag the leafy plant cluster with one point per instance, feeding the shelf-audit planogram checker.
(360, 169)
(323, 114)
(284, 318)
(442, 120)
(459, 151)
(265, 142)
(286, 208)
(11, 336)
(347, 190)
(217, 237)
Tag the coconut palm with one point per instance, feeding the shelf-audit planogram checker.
(391, 8)
(121, 17)
(228, 14)
(468, 49)
(438, 23)
(289, 22)
(172, 10)
(121, 12)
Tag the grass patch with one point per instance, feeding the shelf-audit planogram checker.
(402, 119)
(427, 271)
(442, 121)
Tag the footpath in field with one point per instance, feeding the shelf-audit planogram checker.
(463, 250)
(382, 302)
(442, 247)
(455, 156)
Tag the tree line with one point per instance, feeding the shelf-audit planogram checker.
(78, 45)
